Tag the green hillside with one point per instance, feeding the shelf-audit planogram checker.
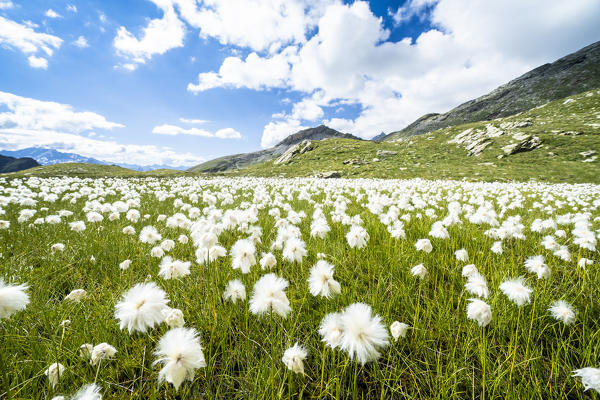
(568, 130)
(90, 170)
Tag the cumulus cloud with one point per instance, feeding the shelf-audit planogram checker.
(25, 39)
(193, 121)
(256, 24)
(471, 48)
(254, 72)
(81, 42)
(5, 5)
(37, 62)
(173, 130)
(32, 114)
(52, 14)
(159, 36)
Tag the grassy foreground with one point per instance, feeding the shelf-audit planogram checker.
(523, 353)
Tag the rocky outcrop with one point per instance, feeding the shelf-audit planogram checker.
(527, 143)
(475, 141)
(293, 151)
(575, 73)
(385, 153)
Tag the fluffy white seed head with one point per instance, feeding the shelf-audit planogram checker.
(141, 307)
(516, 291)
(479, 311)
(399, 329)
(268, 295)
(321, 282)
(180, 354)
(563, 312)
(363, 334)
(294, 357)
(13, 298)
(234, 291)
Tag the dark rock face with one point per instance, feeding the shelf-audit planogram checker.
(575, 73)
(11, 164)
(243, 160)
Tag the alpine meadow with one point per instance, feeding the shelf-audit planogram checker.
(299, 199)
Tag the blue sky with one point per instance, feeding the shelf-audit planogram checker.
(180, 81)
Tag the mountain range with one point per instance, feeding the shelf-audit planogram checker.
(46, 156)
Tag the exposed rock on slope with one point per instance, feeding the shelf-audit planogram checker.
(237, 161)
(575, 73)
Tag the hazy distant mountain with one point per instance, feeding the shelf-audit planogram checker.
(50, 157)
(243, 160)
(12, 164)
(572, 74)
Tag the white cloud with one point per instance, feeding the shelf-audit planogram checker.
(81, 42)
(173, 130)
(228, 133)
(37, 62)
(32, 114)
(472, 48)
(104, 150)
(193, 121)
(5, 5)
(52, 14)
(159, 36)
(276, 131)
(23, 38)
(254, 72)
(72, 8)
(257, 24)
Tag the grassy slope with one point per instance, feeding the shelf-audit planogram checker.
(91, 170)
(431, 156)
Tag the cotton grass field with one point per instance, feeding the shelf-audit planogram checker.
(250, 288)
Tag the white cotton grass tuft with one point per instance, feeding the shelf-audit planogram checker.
(149, 235)
(294, 250)
(357, 237)
(242, 255)
(563, 312)
(102, 351)
(497, 248)
(516, 291)
(294, 357)
(536, 265)
(590, 377)
(141, 307)
(477, 285)
(174, 317)
(424, 245)
(76, 295)
(479, 311)
(54, 372)
(234, 291)
(13, 298)
(461, 255)
(173, 269)
(331, 330)
(268, 295)
(469, 270)
(125, 265)
(399, 329)
(90, 391)
(419, 271)
(180, 353)
(321, 282)
(268, 261)
(363, 334)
